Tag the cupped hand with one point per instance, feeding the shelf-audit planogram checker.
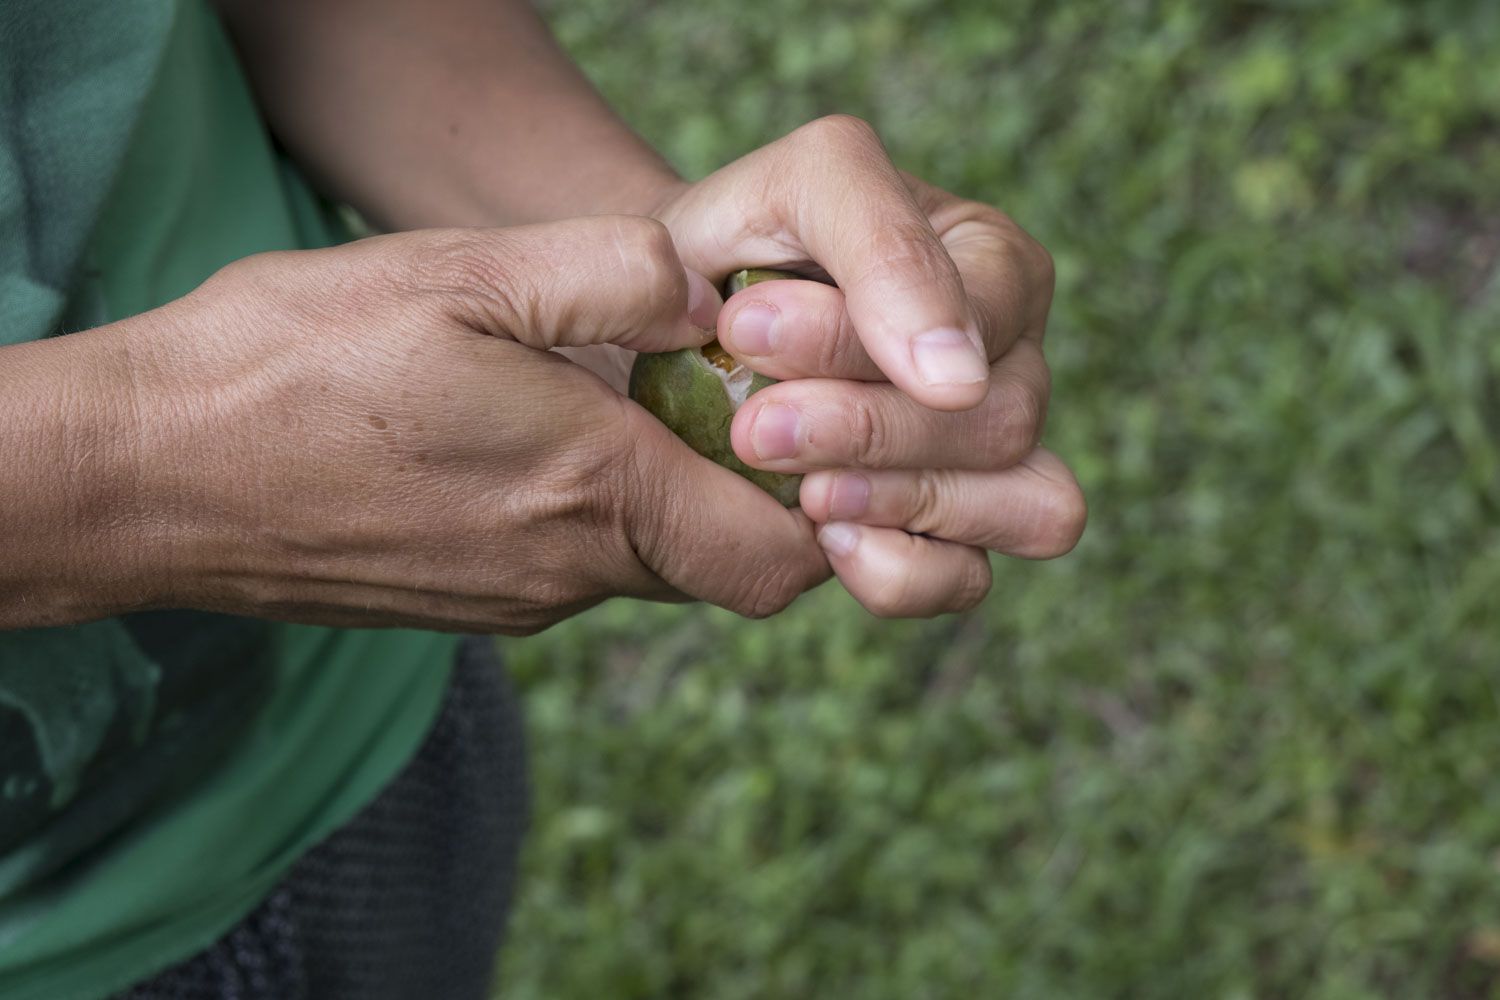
(917, 388)
(379, 434)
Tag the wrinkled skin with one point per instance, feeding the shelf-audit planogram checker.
(381, 434)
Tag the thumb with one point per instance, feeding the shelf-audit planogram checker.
(597, 280)
(711, 534)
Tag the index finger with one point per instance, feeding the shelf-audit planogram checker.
(828, 194)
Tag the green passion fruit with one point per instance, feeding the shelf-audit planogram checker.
(697, 390)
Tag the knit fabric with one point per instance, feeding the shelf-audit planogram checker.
(408, 899)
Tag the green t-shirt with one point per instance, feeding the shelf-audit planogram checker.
(160, 772)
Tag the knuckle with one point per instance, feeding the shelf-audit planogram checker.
(648, 239)
(1039, 264)
(835, 352)
(1039, 269)
(1044, 266)
(1039, 395)
(1031, 410)
(482, 272)
(1029, 270)
(1005, 438)
(840, 130)
(1016, 428)
(1022, 246)
(926, 499)
(648, 260)
(461, 260)
(867, 432)
(908, 248)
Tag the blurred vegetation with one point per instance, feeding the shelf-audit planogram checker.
(1243, 742)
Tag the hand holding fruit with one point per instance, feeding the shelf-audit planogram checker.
(915, 387)
(378, 434)
(696, 392)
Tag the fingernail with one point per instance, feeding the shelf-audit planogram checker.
(850, 497)
(946, 356)
(838, 538)
(753, 329)
(776, 431)
(703, 301)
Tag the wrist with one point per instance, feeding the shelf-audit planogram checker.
(79, 540)
(641, 189)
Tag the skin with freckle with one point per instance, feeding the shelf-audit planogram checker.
(696, 392)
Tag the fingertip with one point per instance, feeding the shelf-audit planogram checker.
(948, 399)
(849, 496)
(751, 329)
(954, 398)
(766, 433)
(944, 368)
(816, 495)
(839, 539)
(949, 359)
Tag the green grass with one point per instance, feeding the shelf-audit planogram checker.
(1243, 742)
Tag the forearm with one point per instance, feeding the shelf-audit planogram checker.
(441, 112)
(74, 542)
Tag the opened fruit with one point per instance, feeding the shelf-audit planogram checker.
(696, 392)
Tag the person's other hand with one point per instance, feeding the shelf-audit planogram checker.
(380, 434)
(917, 388)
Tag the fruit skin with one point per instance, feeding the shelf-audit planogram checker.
(741, 280)
(697, 399)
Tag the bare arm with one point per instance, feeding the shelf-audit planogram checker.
(465, 111)
(72, 541)
(445, 112)
(378, 434)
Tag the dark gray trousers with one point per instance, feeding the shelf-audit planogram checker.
(409, 898)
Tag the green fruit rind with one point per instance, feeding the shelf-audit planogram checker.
(741, 280)
(697, 400)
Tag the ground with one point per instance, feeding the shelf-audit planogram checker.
(1241, 743)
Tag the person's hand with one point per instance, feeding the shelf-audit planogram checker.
(917, 387)
(379, 434)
